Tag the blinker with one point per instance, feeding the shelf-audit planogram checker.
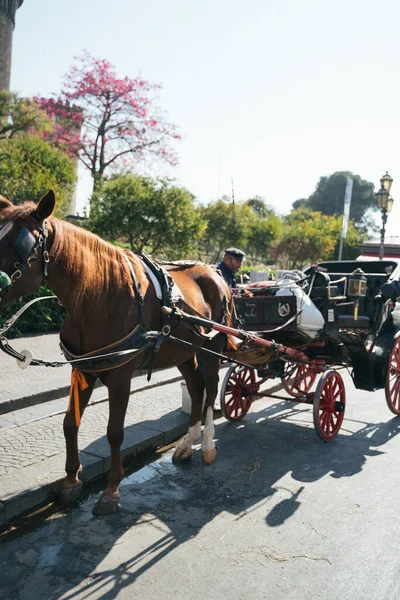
(25, 243)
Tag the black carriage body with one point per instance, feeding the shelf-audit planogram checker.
(266, 313)
(368, 339)
(363, 343)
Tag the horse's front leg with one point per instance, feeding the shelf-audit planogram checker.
(119, 389)
(72, 485)
(195, 385)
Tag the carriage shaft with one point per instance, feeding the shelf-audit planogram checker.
(294, 355)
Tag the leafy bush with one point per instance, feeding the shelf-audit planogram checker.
(41, 317)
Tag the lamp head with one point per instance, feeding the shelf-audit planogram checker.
(386, 182)
(382, 198)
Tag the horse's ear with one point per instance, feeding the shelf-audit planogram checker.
(46, 206)
(4, 203)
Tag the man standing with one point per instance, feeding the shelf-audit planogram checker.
(230, 264)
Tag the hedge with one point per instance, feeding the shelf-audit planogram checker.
(41, 317)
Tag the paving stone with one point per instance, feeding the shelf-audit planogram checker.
(32, 455)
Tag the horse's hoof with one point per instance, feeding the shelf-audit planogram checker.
(182, 454)
(70, 495)
(210, 456)
(106, 505)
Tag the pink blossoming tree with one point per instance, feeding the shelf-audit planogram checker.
(108, 122)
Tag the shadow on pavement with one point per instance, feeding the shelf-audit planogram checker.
(179, 501)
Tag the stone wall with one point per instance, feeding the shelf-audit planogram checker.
(7, 23)
(6, 32)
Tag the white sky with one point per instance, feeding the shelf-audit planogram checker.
(274, 93)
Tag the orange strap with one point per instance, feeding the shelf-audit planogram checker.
(78, 382)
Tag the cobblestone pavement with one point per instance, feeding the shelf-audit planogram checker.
(16, 382)
(31, 443)
(32, 455)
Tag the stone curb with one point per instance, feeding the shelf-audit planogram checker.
(7, 406)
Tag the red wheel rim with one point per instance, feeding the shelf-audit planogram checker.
(392, 387)
(237, 393)
(329, 405)
(300, 381)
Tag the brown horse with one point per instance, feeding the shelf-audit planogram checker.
(94, 282)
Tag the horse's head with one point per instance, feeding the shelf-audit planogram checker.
(23, 253)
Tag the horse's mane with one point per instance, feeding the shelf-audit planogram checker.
(92, 260)
(181, 264)
(17, 212)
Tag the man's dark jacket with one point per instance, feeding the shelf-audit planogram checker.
(227, 274)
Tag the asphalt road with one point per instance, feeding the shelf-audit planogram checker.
(280, 515)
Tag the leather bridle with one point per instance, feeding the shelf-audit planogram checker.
(27, 245)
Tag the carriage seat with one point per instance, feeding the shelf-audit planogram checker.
(259, 288)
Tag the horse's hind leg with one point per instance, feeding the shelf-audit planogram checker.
(195, 385)
(72, 485)
(118, 384)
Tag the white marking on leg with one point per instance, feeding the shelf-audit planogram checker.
(208, 433)
(193, 436)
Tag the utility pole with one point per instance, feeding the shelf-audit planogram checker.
(233, 211)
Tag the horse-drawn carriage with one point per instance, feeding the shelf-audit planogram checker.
(122, 315)
(336, 315)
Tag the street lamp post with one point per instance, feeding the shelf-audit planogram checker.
(385, 203)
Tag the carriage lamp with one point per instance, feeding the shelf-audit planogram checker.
(357, 288)
(385, 203)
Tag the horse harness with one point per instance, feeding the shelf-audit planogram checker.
(27, 246)
(137, 341)
(141, 339)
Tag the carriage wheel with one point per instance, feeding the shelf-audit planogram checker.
(329, 405)
(392, 387)
(237, 392)
(299, 381)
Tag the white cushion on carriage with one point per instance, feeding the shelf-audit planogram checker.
(310, 320)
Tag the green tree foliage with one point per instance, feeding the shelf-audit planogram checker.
(264, 228)
(310, 236)
(149, 215)
(19, 116)
(328, 198)
(227, 225)
(29, 167)
(251, 226)
(42, 317)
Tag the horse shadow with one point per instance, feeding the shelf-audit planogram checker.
(179, 501)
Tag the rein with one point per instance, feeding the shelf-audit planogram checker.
(140, 335)
(27, 359)
(139, 340)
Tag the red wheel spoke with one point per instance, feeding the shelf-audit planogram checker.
(298, 380)
(327, 419)
(237, 392)
(392, 387)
